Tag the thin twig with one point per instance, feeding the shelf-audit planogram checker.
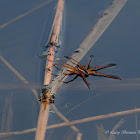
(25, 14)
(20, 77)
(95, 118)
(136, 121)
(43, 115)
(64, 118)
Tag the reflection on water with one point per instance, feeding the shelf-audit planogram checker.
(20, 41)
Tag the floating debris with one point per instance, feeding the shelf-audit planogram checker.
(66, 105)
(53, 43)
(57, 59)
(55, 49)
(77, 51)
(44, 54)
(52, 111)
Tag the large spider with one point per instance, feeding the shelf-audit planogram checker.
(84, 72)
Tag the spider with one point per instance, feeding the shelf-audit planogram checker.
(80, 70)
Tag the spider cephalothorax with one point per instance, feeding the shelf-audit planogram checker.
(80, 70)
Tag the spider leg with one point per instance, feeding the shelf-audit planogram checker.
(48, 69)
(54, 74)
(66, 75)
(101, 67)
(113, 77)
(71, 80)
(74, 60)
(64, 63)
(63, 77)
(87, 66)
(70, 60)
(69, 70)
(56, 67)
(69, 73)
(83, 76)
(63, 66)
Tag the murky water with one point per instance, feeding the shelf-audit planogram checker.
(21, 43)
